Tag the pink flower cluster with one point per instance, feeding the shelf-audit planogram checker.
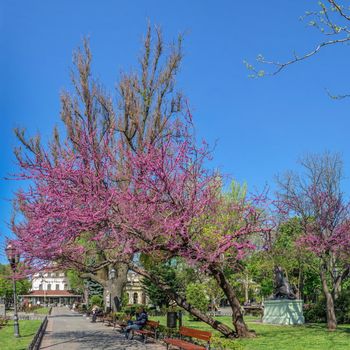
(121, 202)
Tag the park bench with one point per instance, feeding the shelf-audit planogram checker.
(253, 310)
(150, 330)
(100, 315)
(121, 324)
(109, 320)
(192, 333)
(3, 321)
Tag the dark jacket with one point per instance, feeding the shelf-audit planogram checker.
(141, 319)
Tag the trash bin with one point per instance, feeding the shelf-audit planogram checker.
(179, 317)
(171, 319)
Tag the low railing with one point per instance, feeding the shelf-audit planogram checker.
(35, 344)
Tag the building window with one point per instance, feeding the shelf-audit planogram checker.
(135, 298)
(65, 287)
(57, 287)
(49, 287)
(40, 287)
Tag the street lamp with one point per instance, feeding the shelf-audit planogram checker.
(112, 274)
(41, 275)
(13, 258)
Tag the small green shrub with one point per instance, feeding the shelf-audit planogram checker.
(168, 332)
(96, 300)
(197, 297)
(131, 309)
(120, 316)
(315, 313)
(342, 307)
(220, 343)
(125, 300)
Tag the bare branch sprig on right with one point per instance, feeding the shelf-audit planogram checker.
(331, 19)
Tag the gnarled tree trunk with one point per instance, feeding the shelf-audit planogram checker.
(117, 286)
(222, 328)
(330, 311)
(112, 288)
(237, 315)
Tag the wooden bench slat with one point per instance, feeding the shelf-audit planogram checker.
(189, 332)
(143, 331)
(153, 325)
(195, 333)
(182, 344)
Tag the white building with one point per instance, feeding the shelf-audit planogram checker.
(135, 290)
(51, 288)
(50, 281)
(54, 288)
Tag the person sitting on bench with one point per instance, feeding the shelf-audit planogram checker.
(95, 312)
(140, 322)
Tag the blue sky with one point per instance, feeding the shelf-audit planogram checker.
(261, 126)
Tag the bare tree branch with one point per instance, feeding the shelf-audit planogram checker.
(326, 21)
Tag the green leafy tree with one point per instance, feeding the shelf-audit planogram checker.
(75, 281)
(96, 300)
(167, 271)
(214, 293)
(6, 285)
(297, 263)
(196, 295)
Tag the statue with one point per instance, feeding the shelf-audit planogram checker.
(283, 307)
(283, 289)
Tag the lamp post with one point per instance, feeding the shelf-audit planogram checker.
(42, 283)
(13, 258)
(111, 279)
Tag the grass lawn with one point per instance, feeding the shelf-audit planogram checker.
(27, 330)
(270, 337)
(42, 310)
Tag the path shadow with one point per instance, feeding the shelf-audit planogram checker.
(93, 340)
(65, 315)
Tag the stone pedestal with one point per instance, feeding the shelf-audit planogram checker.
(2, 310)
(284, 312)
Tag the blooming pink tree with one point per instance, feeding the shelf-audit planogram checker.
(95, 125)
(103, 195)
(174, 205)
(167, 203)
(316, 198)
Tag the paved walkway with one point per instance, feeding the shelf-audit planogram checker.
(67, 330)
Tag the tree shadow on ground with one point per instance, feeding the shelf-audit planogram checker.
(94, 340)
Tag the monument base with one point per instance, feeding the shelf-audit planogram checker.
(283, 311)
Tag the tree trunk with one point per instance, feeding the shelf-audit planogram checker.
(300, 291)
(338, 279)
(112, 289)
(237, 315)
(86, 295)
(117, 286)
(222, 328)
(246, 288)
(331, 318)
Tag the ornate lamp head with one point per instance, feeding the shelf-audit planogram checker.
(112, 274)
(12, 255)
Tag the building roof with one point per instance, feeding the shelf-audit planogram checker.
(50, 293)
